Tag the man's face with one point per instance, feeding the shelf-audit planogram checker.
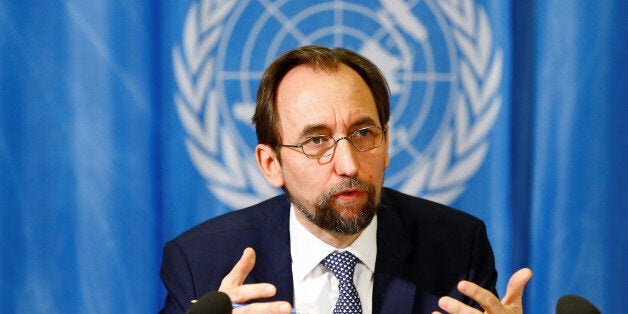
(339, 193)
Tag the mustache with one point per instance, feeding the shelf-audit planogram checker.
(348, 183)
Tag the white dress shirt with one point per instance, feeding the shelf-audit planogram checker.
(315, 287)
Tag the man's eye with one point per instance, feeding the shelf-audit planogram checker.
(318, 140)
(361, 133)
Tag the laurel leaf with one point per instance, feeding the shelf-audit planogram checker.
(471, 86)
(469, 13)
(207, 7)
(485, 40)
(466, 167)
(451, 11)
(441, 162)
(183, 79)
(462, 169)
(203, 83)
(210, 120)
(464, 20)
(467, 138)
(416, 182)
(472, 53)
(462, 119)
(493, 77)
(193, 127)
(450, 3)
(190, 122)
(446, 196)
(485, 123)
(207, 20)
(190, 38)
(407, 21)
(209, 43)
(467, 48)
(214, 14)
(233, 198)
(232, 158)
(208, 167)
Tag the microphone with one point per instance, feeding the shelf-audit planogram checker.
(573, 304)
(212, 303)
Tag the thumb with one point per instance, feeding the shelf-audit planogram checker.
(514, 290)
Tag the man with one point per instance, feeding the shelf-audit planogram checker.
(321, 122)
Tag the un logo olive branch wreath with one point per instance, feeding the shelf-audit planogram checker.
(231, 174)
(464, 147)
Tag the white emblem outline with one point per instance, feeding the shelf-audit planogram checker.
(441, 177)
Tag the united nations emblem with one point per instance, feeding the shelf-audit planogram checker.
(437, 55)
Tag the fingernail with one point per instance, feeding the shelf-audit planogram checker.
(285, 308)
(462, 286)
(270, 289)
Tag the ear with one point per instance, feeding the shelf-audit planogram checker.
(269, 164)
(386, 146)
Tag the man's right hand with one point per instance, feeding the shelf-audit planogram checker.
(238, 292)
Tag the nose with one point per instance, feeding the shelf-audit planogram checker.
(345, 158)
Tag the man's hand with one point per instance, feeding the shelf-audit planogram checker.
(233, 286)
(510, 304)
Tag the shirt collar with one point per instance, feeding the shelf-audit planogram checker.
(307, 250)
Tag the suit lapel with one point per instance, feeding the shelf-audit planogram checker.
(273, 263)
(394, 287)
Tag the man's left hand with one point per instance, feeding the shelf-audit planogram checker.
(510, 304)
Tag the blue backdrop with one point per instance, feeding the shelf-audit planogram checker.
(123, 123)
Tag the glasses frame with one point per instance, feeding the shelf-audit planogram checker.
(332, 149)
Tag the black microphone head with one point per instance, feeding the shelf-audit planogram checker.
(212, 303)
(573, 304)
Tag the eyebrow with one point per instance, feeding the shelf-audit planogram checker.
(364, 121)
(320, 127)
(313, 129)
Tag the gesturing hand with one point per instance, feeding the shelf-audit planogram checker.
(510, 304)
(233, 285)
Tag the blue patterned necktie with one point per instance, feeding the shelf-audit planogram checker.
(342, 265)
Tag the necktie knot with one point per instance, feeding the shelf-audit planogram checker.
(342, 265)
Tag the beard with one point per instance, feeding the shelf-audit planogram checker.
(329, 216)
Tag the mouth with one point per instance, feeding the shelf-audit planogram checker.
(351, 196)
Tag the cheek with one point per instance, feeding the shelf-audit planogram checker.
(304, 179)
(373, 168)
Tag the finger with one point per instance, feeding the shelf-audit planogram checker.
(245, 293)
(489, 302)
(516, 284)
(278, 307)
(239, 272)
(451, 305)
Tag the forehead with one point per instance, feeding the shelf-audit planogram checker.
(308, 96)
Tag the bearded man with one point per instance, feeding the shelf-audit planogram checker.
(337, 240)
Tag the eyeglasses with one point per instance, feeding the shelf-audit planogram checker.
(319, 146)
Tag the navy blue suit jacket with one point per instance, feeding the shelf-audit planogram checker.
(423, 250)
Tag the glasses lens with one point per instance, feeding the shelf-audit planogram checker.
(318, 146)
(367, 138)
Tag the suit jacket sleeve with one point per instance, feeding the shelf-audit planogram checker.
(177, 278)
(482, 270)
(195, 262)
